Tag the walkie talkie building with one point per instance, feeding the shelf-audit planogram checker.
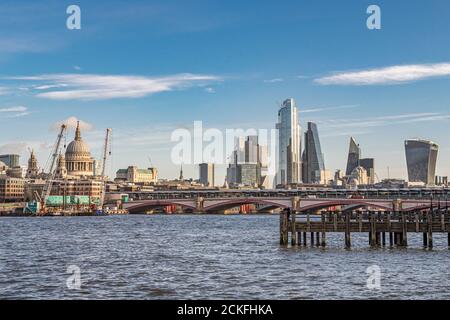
(421, 159)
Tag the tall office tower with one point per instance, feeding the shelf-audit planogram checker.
(206, 174)
(237, 156)
(289, 144)
(11, 160)
(251, 149)
(239, 148)
(421, 159)
(313, 163)
(353, 157)
(369, 165)
(249, 174)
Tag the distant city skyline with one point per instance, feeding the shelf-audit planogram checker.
(149, 69)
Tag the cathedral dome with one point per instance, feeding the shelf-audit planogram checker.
(77, 148)
(78, 161)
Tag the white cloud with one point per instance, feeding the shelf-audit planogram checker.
(102, 87)
(388, 75)
(71, 123)
(210, 90)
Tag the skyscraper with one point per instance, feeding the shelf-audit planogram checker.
(289, 144)
(421, 159)
(11, 160)
(245, 164)
(313, 162)
(251, 149)
(206, 174)
(353, 157)
(369, 165)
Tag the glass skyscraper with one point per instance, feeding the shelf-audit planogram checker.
(206, 174)
(289, 144)
(421, 159)
(11, 160)
(313, 162)
(353, 157)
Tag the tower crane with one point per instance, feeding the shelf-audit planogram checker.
(52, 172)
(105, 157)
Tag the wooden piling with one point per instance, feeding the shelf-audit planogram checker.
(404, 230)
(416, 218)
(448, 239)
(430, 230)
(324, 228)
(348, 243)
(283, 228)
(373, 230)
(293, 230)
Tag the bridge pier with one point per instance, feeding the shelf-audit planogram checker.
(200, 205)
(295, 204)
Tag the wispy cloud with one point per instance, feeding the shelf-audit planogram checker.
(275, 80)
(15, 112)
(27, 44)
(321, 109)
(3, 91)
(388, 120)
(210, 90)
(388, 75)
(102, 87)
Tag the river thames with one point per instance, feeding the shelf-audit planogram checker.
(205, 257)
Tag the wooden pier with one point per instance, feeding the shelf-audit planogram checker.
(381, 227)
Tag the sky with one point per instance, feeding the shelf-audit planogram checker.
(147, 68)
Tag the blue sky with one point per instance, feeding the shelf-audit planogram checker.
(145, 68)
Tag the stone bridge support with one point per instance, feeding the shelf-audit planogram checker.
(200, 205)
(397, 205)
(295, 204)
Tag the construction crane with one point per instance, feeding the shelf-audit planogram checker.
(52, 172)
(105, 157)
(150, 160)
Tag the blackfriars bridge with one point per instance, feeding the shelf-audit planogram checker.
(267, 204)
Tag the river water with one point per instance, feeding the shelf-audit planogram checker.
(205, 257)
